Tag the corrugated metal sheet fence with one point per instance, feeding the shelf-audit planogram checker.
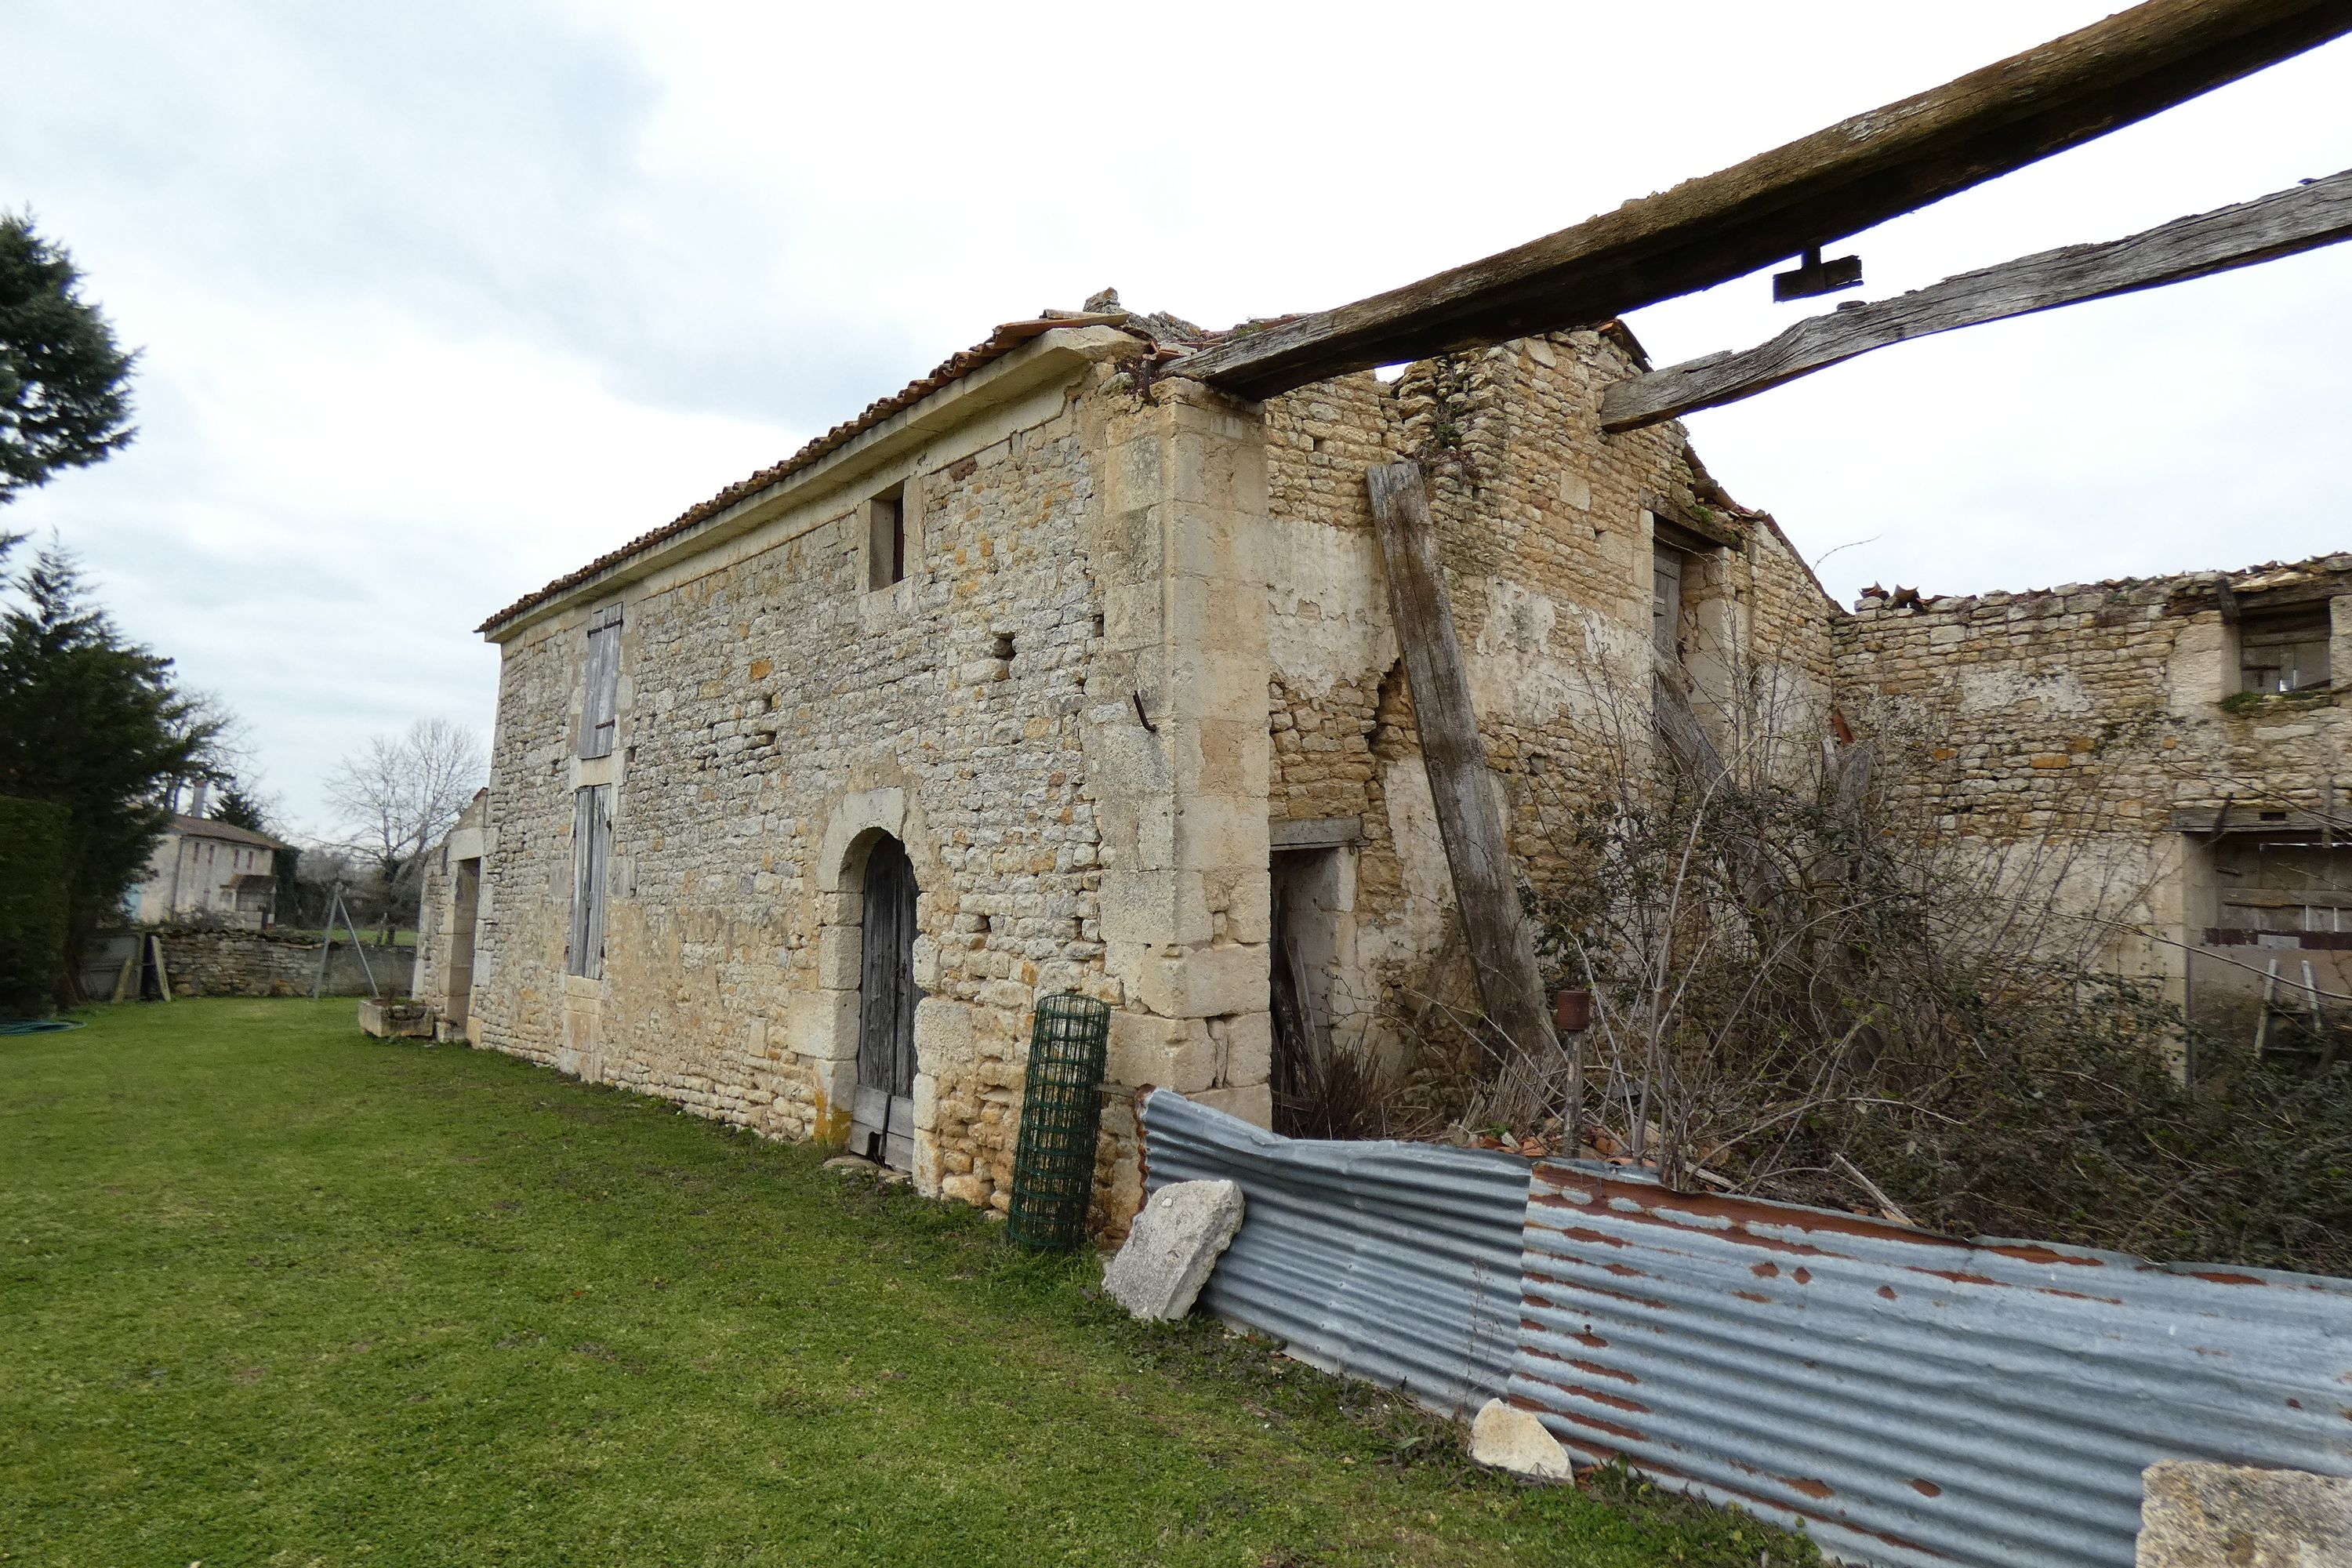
(1911, 1400)
(1398, 1263)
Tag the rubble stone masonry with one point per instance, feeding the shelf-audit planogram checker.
(1141, 646)
(2103, 727)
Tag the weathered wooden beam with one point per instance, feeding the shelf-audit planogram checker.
(1835, 182)
(1476, 853)
(2281, 224)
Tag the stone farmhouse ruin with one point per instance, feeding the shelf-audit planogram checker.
(1221, 678)
(1061, 671)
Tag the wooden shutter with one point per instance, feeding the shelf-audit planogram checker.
(600, 704)
(591, 852)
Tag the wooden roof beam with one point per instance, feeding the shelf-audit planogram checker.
(2303, 218)
(1838, 181)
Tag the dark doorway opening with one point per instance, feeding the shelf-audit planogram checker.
(1304, 934)
(883, 1120)
(465, 906)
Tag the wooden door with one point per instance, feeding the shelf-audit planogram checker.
(1667, 604)
(883, 1120)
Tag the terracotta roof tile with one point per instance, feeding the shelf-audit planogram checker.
(228, 833)
(956, 366)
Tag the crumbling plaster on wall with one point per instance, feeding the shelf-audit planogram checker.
(1545, 526)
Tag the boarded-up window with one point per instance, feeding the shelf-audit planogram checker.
(599, 709)
(592, 856)
(1667, 602)
(2284, 650)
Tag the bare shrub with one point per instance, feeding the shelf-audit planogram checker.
(1805, 984)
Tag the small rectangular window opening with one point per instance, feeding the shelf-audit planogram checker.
(885, 538)
(2284, 650)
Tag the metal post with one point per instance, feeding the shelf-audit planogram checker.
(357, 946)
(327, 940)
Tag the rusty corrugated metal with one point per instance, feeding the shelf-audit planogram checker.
(1909, 1399)
(1397, 1263)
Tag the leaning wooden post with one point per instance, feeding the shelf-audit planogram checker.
(1502, 954)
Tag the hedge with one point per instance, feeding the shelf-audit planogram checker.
(36, 861)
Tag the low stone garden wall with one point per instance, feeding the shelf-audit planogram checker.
(205, 963)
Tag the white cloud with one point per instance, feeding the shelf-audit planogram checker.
(441, 301)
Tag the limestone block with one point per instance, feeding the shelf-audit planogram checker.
(927, 1102)
(1254, 1104)
(1248, 1049)
(1248, 906)
(1168, 1053)
(1131, 614)
(964, 1189)
(822, 1026)
(946, 1034)
(1204, 982)
(1007, 995)
(1156, 907)
(838, 909)
(925, 963)
(2199, 1515)
(840, 951)
(395, 1020)
(1172, 1246)
(927, 1163)
(1514, 1440)
(1222, 832)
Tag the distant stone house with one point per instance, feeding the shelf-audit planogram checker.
(1058, 670)
(207, 869)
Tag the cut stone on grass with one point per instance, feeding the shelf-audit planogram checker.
(1175, 1243)
(1514, 1440)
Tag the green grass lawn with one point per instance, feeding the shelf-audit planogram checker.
(275, 1293)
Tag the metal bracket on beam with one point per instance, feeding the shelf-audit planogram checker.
(1814, 276)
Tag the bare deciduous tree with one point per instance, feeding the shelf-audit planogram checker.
(400, 793)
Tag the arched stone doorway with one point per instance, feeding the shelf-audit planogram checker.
(882, 1117)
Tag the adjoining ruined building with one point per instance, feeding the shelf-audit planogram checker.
(1060, 671)
(2170, 752)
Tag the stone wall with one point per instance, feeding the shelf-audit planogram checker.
(2077, 731)
(1546, 528)
(205, 962)
(777, 716)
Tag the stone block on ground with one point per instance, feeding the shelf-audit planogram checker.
(2199, 1515)
(395, 1020)
(1172, 1246)
(1515, 1440)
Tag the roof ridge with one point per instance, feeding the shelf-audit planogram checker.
(1007, 337)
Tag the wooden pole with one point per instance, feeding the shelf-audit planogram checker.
(1477, 854)
(162, 971)
(1836, 181)
(2282, 224)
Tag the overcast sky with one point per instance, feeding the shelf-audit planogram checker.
(439, 300)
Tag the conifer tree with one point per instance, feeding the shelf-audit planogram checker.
(64, 398)
(93, 723)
